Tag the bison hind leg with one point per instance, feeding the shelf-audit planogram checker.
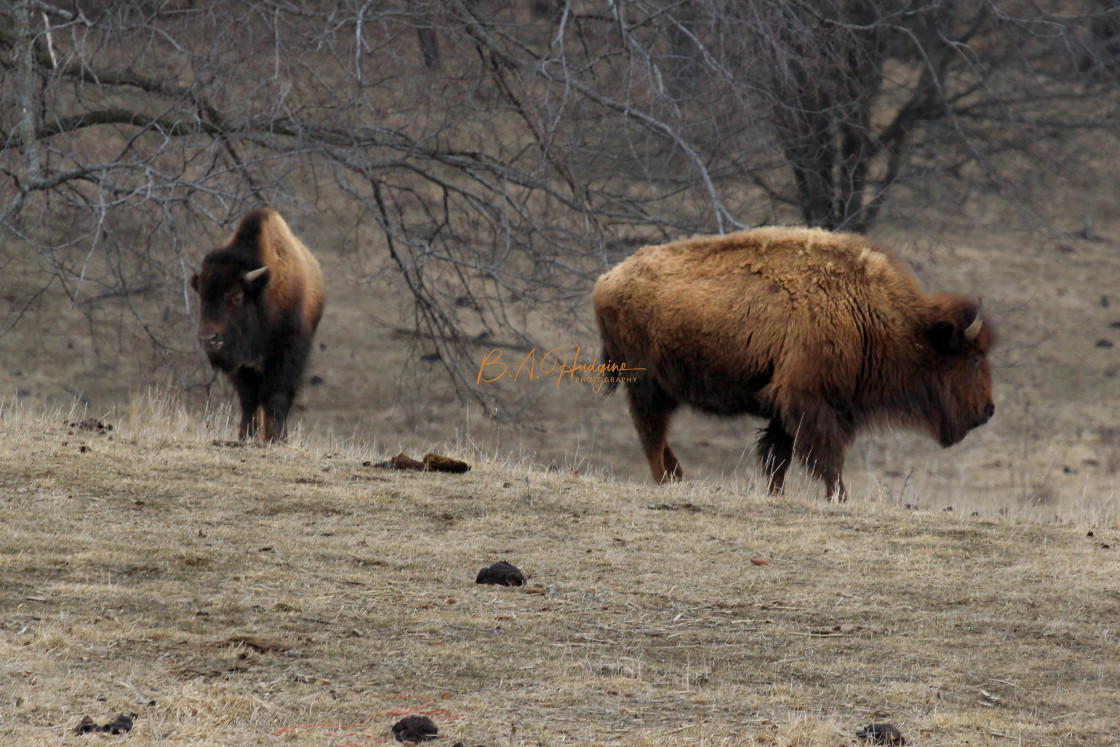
(775, 449)
(671, 467)
(651, 409)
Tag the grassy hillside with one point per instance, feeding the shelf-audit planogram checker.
(301, 595)
(1052, 449)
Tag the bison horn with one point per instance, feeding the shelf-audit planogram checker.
(252, 275)
(972, 330)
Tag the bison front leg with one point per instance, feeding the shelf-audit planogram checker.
(820, 441)
(285, 374)
(276, 409)
(651, 409)
(825, 461)
(775, 449)
(247, 382)
(833, 484)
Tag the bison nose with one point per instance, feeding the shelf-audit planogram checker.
(211, 342)
(986, 415)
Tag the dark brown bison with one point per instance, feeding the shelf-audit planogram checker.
(823, 334)
(262, 297)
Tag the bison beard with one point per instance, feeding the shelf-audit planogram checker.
(262, 298)
(822, 334)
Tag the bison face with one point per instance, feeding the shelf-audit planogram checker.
(963, 374)
(230, 321)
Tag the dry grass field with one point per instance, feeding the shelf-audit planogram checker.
(301, 595)
(1051, 452)
(236, 594)
(233, 595)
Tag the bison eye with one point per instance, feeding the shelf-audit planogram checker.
(237, 299)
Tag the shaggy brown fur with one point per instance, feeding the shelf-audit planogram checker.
(823, 334)
(262, 298)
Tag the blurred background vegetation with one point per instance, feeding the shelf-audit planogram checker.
(492, 158)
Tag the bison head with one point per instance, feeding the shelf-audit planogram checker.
(962, 388)
(230, 325)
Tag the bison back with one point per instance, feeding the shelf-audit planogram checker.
(733, 323)
(296, 284)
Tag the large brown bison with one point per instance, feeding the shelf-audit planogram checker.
(823, 334)
(262, 297)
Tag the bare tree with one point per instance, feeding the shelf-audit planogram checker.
(504, 155)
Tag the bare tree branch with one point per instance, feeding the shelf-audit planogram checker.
(497, 157)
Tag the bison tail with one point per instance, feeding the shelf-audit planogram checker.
(610, 381)
(610, 361)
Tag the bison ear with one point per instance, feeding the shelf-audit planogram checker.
(194, 282)
(950, 336)
(946, 337)
(256, 280)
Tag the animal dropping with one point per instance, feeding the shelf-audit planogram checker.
(430, 463)
(822, 334)
(121, 724)
(257, 643)
(881, 734)
(440, 463)
(502, 574)
(402, 461)
(93, 424)
(415, 729)
(262, 298)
